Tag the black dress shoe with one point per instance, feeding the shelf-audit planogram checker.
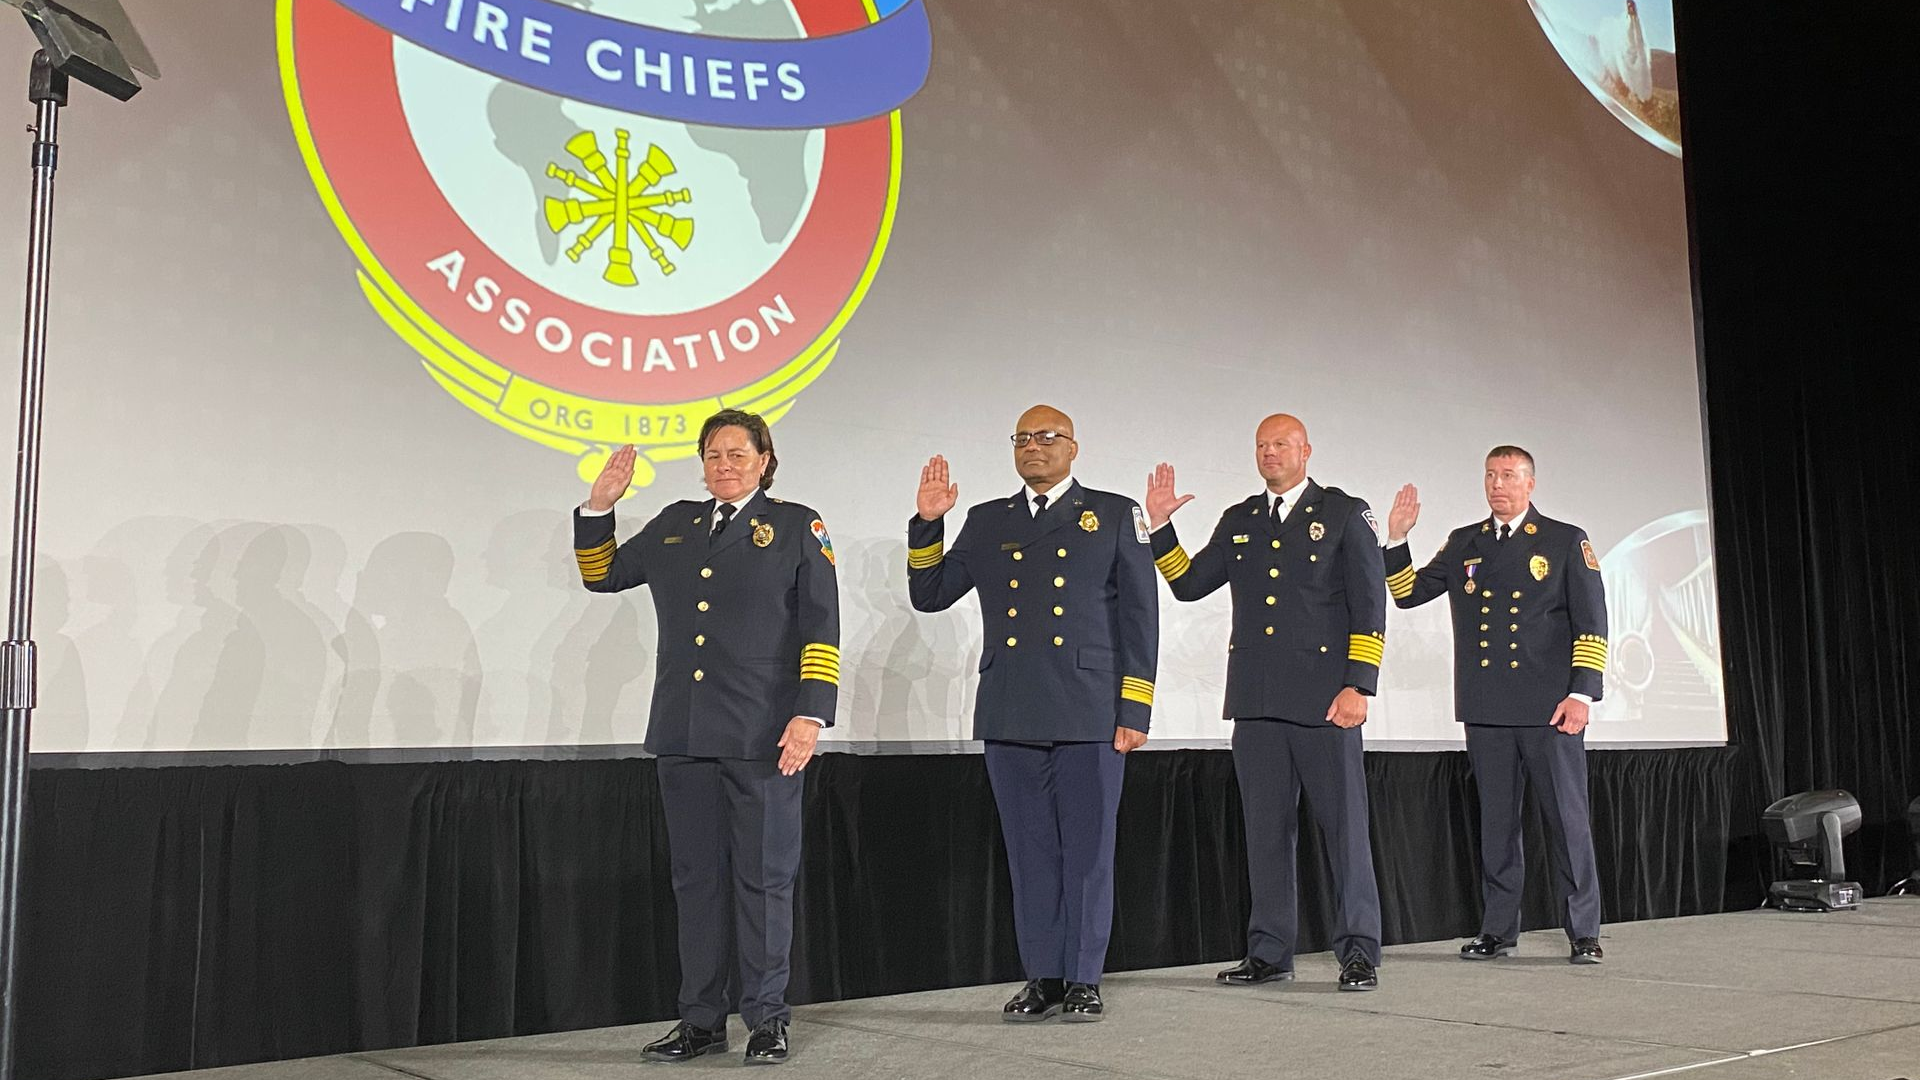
(1586, 950)
(1486, 947)
(1083, 1004)
(1252, 972)
(768, 1043)
(1358, 974)
(686, 1042)
(1036, 1001)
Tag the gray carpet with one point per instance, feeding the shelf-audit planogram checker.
(1759, 995)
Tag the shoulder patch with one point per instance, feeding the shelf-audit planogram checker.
(1586, 552)
(1372, 522)
(819, 530)
(1140, 530)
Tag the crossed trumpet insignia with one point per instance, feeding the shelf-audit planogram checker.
(621, 201)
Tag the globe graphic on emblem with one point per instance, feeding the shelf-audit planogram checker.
(1622, 51)
(729, 201)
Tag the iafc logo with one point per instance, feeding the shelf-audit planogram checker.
(598, 222)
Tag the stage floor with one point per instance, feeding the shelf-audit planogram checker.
(1749, 995)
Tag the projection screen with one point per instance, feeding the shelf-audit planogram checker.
(349, 304)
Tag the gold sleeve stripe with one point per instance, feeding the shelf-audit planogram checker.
(1173, 564)
(820, 661)
(1401, 584)
(1132, 689)
(1366, 648)
(595, 561)
(921, 558)
(1590, 651)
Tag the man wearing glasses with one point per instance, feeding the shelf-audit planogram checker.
(1066, 685)
(1303, 565)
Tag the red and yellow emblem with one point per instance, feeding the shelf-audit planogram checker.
(580, 276)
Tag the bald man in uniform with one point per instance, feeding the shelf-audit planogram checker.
(1302, 563)
(1071, 614)
(1529, 657)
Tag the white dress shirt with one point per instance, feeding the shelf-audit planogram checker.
(1053, 494)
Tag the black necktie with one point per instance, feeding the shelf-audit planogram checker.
(723, 514)
(1505, 531)
(1039, 505)
(1273, 512)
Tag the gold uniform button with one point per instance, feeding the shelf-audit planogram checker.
(1483, 644)
(1513, 611)
(1516, 594)
(1014, 584)
(702, 605)
(698, 674)
(1011, 612)
(1313, 558)
(1271, 601)
(706, 571)
(1059, 610)
(1274, 572)
(1486, 611)
(1058, 582)
(1323, 648)
(1513, 644)
(1269, 631)
(1484, 662)
(1483, 626)
(699, 639)
(1514, 626)
(1062, 553)
(1276, 543)
(1059, 641)
(1013, 641)
(1017, 556)
(1515, 664)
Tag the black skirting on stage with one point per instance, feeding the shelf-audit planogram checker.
(214, 915)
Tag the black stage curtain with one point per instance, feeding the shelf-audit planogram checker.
(1800, 141)
(200, 916)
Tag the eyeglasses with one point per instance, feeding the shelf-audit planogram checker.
(1044, 438)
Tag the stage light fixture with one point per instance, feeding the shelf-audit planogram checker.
(1805, 831)
(1911, 885)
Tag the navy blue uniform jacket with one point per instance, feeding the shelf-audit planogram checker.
(1309, 606)
(1071, 614)
(1529, 617)
(749, 623)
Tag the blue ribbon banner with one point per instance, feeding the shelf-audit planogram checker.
(699, 79)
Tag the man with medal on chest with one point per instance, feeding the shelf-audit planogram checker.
(1301, 562)
(1072, 628)
(1530, 650)
(746, 675)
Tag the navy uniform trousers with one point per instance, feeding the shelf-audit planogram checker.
(1275, 761)
(733, 829)
(1506, 761)
(1057, 804)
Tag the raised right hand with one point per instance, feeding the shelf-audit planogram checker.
(937, 495)
(1161, 500)
(613, 481)
(1405, 512)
